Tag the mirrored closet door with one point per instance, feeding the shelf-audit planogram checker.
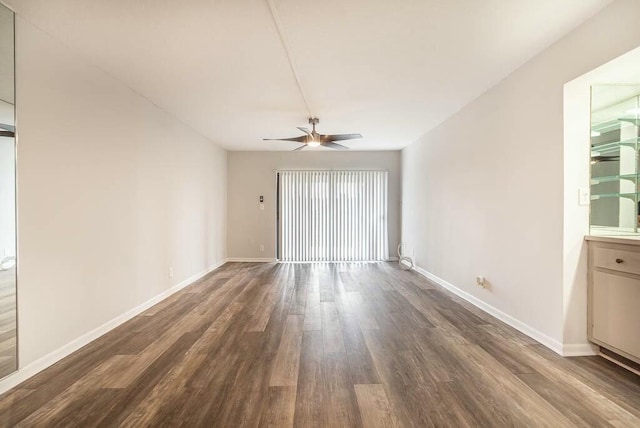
(8, 324)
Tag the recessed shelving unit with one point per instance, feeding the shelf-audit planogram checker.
(615, 176)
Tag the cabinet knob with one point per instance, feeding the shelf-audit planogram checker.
(619, 261)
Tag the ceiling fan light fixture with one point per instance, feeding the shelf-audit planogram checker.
(315, 139)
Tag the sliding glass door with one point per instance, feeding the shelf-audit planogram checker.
(333, 215)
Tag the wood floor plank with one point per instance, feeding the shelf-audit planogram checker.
(280, 407)
(268, 300)
(164, 392)
(310, 388)
(374, 406)
(287, 362)
(298, 301)
(393, 375)
(132, 396)
(251, 385)
(362, 369)
(326, 344)
(571, 406)
(312, 313)
(339, 407)
(614, 383)
(50, 406)
(362, 311)
(332, 339)
(504, 386)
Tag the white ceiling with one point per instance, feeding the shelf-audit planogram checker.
(390, 70)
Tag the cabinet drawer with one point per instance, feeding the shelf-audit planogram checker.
(615, 311)
(615, 259)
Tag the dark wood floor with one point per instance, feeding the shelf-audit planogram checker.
(333, 345)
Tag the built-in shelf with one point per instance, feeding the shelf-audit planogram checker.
(614, 195)
(634, 120)
(614, 124)
(613, 146)
(614, 178)
(606, 126)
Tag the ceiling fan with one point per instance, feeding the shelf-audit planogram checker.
(314, 139)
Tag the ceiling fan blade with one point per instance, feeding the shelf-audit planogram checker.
(305, 130)
(335, 146)
(340, 137)
(9, 134)
(300, 139)
(299, 148)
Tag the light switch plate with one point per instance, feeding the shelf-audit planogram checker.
(584, 196)
(261, 207)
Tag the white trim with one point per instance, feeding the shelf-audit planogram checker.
(330, 169)
(42, 363)
(579, 350)
(547, 341)
(393, 259)
(251, 260)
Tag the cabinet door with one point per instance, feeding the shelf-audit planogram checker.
(616, 311)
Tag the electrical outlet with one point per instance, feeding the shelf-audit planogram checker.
(480, 281)
(171, 272)
(262, 248)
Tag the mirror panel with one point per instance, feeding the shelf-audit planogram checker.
(8, 324)
(615, 172)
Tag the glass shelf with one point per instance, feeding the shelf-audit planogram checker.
(595, 197)
(604, 127)
(633, 120)
(613, 178)
(613, 124)
(614, 146)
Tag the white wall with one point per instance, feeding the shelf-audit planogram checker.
(111, 193)
(251, 174)
(483, 192)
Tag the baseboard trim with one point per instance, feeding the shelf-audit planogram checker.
(579, 350)
(48, 360)
(547, 341)
(268, 260)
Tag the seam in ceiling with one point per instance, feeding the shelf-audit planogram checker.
(287, 49)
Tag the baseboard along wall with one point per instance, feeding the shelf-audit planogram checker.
(251, 260)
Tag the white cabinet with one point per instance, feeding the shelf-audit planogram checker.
(614, 297)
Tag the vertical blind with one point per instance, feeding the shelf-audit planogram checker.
(333, 215)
